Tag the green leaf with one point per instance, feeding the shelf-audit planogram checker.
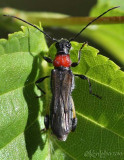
(19, 108)
(99, 133)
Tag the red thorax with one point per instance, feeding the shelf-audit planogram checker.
(62, 60)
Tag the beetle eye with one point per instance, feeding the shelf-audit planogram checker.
(68, 45)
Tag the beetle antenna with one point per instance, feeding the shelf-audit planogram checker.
(92, 22)
(33, 26)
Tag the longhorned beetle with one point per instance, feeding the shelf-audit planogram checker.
(62, 118)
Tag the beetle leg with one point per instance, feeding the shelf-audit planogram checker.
(46, 123)
(90, 87)
(74, 64)
(49, 60)
(39, 81)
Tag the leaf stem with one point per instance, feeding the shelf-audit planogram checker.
(71, 21)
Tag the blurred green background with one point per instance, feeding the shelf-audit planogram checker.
(80, 8)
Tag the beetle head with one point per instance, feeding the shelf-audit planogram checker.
(63, 46)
